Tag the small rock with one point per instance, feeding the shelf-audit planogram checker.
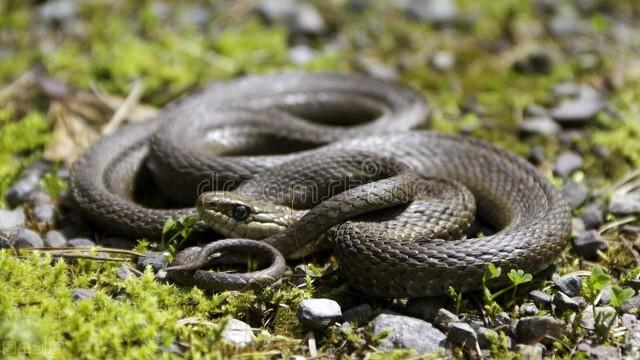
(541, 298)
(44, 213)
(486, 337)
(542, 125)
(569, 284)
(576, 111)
(588, 244)
(532, 329)
(301, 54)
(607, 313)
(567, 163)
(317, 314)
(425, 308)
(577, 227)
(82, 294)
(58, 10)
(299, 18)
(443, 61)
(156, 259)
(359, 314)
(592, 216)
(601, 352)
(563, 302)
(437, 12)
(25, 238)
(625, 203)
(502, 318)
(12, 218)
(444, 318)
(408, 333)
(20, 191)
(629, 320)
(631, 304)
(632, 343)
(575, 193)
(462, 334)
(39, 197)
(528, 309)
(375, 68)
(238, 333)
(536, 155)
(162, 275)
(125, 272)
(538, 62)
(54, 239)
(80, 242)
(530, 352)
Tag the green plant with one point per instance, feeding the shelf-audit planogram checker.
(517, 277)
(177, 232)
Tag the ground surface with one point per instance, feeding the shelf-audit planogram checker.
(557, 82)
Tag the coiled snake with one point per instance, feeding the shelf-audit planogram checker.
(293, 158)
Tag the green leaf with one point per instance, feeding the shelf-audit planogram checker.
(518, 277)
(169, 225)
(620, 295)
(493, 271)
(598, 280)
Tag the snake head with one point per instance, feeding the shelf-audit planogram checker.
(234, 215)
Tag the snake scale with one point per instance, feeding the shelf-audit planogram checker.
(291, 159)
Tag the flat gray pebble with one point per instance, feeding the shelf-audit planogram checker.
(541, 298)
(156, 259)
(433, 11)
(408, 333)
(462, 334)
(563, 302)
(54, 238)
(625, 204)
(588, 243)
(567, 163)
(528, 309)
(569, 284)
(82, 294)
(600, 352)
(44, 213)
(607, 313)
(444, 318)
(359, 314)
(577, 111)
(12, 218)
(238, 333)
(20, 191)
(317, 314)
(486, 337)
(541, 125)
(80, 242)
(592, 216)
(575, 193)
(532, 329)
(26, 238)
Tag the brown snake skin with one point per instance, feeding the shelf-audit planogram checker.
(400, 233)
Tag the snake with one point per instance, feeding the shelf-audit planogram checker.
(284, 164)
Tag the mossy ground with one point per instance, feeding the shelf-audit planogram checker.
(117, 42)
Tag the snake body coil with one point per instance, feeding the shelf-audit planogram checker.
(399, 228)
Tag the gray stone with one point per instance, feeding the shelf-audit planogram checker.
(575, 193)
(542, 125)
(530, 352)
(301, 54)
(198, 15)
(625, 203)
(541, 298)
(502, 318)
(588, 244)
(632, 343)
(528, 309)
(317, 314)
(238, 333)
(125, 272)
(444, 318)
(375, 68)
(629, 320)
(39, 197)
(58, 10)
(25, 238)
(538, 62)
(82, 294)
(20, 191)
(563, 302)
(566, 163)
(631, 304)
(12, 218)
(80, 242)
(569, 284)
(299, 18)
(532, 329)
(156, 259)
(54, 238)
(462, 334)
(577, 111)
(486, 337)
(408, 333)
(359, 314)
(577, 227)
(425, 308)
(607, 315)
(443, 61)
(600, 352)
(536, 155)
(44, 213)
(592, 216)
(433, 11)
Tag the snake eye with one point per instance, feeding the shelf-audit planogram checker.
(241, 212)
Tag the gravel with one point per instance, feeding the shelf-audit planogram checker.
(588, 244)
(541, 298)
(26, 238)
(54, 238)
(532, 329)
(462, 334)
(575, 193)
(12, 218)
(156, 259)
(625, 203)
(592, 216)
(563, 302)
(607, 313)
(408, 333)
(317, 314)
(82, 294)
(238, 333)
(569, 284)
(444, 318)
(567, 163)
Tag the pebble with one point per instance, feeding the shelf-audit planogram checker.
(299, 18)
(425, 308)
(58, 10)
(443, 61)
(631, 304)
(444, 318)
(20, 191)
(567, 163)
(532, 329)
(80, 242)
(600, 352)
(530, 352)
(156, 259)
(536, 155)
(607, 313)
(317, 314)
(82, 294)
(125, 272)
(301, 54)
(359, 314)
(502, 318)
(539, 62)
(541, 125)
(44, 213)
(592, 216)
(632, 342)
(588, 244)
(528, 309)
(238, 333)
(39, 197)
(563, 302)
(25, 238)
(54, 239)
(486, 337)
(408, 333)
(437, 12)
(575, 193)
(462, 334)
(577, 111)
(569, 284)
(376, 68)
(541, 298)
(577, 227)
(12, 218)
(625, 203)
